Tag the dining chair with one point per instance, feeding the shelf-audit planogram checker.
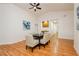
(45, 40)
(31, 42)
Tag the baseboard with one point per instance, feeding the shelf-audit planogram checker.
(12, 42)
(65, 38)
(76, 51)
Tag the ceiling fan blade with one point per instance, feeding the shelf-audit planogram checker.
(31, 8)
(38, 8)
(38, 4)
(31, 4)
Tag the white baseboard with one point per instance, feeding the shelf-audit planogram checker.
(7, 43)
(76, 51)
(65, 38)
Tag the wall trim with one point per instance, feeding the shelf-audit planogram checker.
(76, 51)
(65, 38)
(8, 43)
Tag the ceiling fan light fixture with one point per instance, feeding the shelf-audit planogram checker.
(34, 7)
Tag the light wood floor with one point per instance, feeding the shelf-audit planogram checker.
(56, 47)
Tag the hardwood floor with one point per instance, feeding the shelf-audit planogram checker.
(56, 47)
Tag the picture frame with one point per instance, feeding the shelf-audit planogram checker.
(45, 24)
(78, 12)
(26, 24)
(77, 21)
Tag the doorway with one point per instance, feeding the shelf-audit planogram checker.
(54, 26)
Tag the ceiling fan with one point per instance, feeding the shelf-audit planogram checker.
(35, 6)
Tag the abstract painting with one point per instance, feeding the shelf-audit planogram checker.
(77, 21)
(78, 12)
(77, 26)
(26, 24)
(45, 23)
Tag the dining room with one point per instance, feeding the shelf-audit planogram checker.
(37, 29)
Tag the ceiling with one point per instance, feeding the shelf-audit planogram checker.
(47, 7)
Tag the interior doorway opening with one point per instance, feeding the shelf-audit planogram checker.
(54, 26)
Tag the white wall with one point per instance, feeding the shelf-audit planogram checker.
(76, 32)
(65, 22)
(11, 23)
(11, 28)
(1, 21)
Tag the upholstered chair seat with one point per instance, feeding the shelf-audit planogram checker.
(45, 39)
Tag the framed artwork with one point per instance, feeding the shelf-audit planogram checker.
(45, 23)
(26, 24)
(77, 21)
(77, 26)
(78, 12)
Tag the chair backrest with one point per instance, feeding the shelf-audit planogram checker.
(46, 36)
(29, 38)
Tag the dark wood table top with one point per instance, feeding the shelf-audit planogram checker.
(38, 36)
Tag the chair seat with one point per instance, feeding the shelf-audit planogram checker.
(32, 44)
(44, 41)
